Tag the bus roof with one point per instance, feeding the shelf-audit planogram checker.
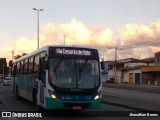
(45, 48)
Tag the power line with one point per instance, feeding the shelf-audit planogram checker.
(116, 49)
(152, 42)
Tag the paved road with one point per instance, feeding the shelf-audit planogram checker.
(9, 103)
(132, 96)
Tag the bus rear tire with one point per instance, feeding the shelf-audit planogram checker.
(17, 94)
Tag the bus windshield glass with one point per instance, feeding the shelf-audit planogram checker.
(74, 73)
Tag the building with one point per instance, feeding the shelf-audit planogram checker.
(125, 70)
(131, 71)
(151, 74)
(135, 71)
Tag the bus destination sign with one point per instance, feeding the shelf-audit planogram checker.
(80, 52)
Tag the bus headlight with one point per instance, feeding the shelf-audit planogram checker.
(52, 94)
(97, 96)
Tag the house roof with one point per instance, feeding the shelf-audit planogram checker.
(131, 68)
(131, 60)
(157, 53)
(150, 59)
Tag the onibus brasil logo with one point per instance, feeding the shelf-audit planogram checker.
(21, 114)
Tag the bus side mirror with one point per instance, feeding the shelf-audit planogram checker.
(46, 65)
(102, 65)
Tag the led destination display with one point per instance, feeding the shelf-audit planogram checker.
(71, 52)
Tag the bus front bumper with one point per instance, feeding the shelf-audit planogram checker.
(57, 104)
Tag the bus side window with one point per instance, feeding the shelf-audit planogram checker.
(18, 68)
(21, 68)
(25, 67)
(30, 66)
(42, 69)
(36, 65)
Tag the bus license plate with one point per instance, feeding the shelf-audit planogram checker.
(77, 107)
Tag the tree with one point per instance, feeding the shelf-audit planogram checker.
(10, 63)
(3, 66)
(18, 56)
(23, 54)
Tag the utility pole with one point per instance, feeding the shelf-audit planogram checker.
(116, 49)
(64, 38)
(12, 55)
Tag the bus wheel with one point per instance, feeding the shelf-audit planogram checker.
(36, 106)
(17, 94)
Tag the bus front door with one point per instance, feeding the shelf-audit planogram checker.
(42, 75)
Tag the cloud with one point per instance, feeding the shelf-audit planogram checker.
(133, 33)
(76, 33)
(143, 38)
(22, 45)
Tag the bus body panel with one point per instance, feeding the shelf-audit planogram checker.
(25, 86)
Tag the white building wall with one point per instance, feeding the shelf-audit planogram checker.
(118, 76)
(111, 74)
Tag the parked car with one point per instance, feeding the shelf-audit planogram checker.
(7, 81)
(111, 80)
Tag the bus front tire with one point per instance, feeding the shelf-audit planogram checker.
(36, 106)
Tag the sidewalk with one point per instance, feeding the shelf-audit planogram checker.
(129, 103)
(133, 87)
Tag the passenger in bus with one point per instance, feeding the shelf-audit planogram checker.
(87, 77)
(52, 73)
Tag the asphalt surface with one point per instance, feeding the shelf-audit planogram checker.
(129, 103)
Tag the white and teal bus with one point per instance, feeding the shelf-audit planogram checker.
(59, 77)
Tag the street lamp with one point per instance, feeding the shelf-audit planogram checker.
(37, 25)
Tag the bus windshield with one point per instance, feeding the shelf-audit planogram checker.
(74, 73)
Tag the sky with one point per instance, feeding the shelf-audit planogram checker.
(133, 25)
